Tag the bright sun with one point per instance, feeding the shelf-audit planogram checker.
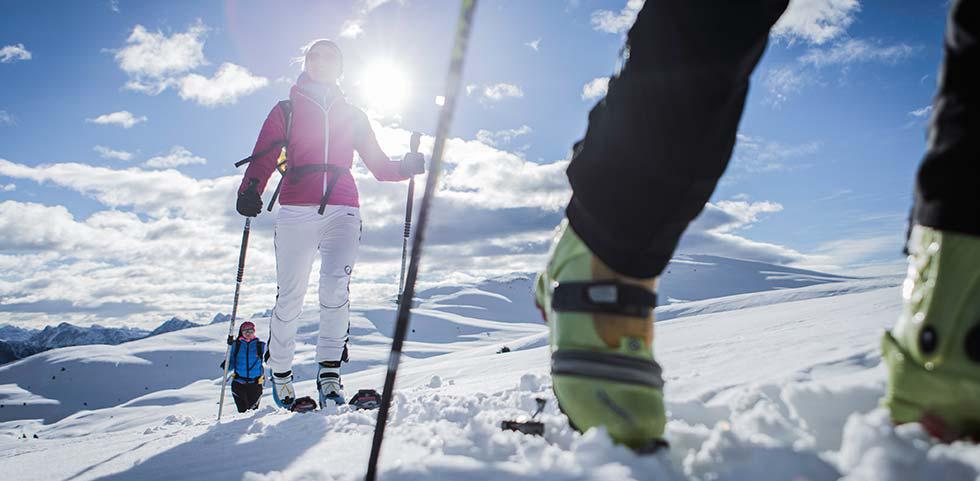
(384, 86)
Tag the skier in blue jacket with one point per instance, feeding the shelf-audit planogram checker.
(246, 364)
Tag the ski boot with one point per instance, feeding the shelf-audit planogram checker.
(601, 336)
(282, 389)
(328, 383)
(933, 352)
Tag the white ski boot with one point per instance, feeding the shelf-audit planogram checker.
(282, 389)
(328, 383)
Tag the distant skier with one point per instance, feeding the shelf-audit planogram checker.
(655, 148)
(319, 211)
(246, 364)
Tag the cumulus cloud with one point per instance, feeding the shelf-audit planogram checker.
(177, 157)
(155, 62)
(501, 137)
(534, 44)
(13, 53)
(107, 153)
(123, 118)
(229, 84)
(595, 88)
(617, 22)
(500, 91)
(351, 29)
(153, 58)
(173, 238)
(816, 21)
(8, 187)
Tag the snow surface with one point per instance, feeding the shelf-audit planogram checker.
(781, 385)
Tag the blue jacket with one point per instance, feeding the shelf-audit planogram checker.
(246, 359)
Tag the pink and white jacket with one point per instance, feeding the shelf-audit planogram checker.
(325, 129)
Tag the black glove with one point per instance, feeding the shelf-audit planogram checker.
(413, 163)
(249, 201)
(231, 340)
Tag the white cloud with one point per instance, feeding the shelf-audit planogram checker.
(501, 137)
(123, 118)
(7, 119)
(107, 153)
(756, 154)
(8, 187)
(13, 53)
(229, 84)
(534, 44)
(922, 112)
(493, 214)
(114, 5)
(354, 27)
(470, 88)
(595, 88)
(816, 21)
(153, 59)
(617, 22)
(501, 91)
(856, 51)
(156, 62)
(785, 81)
(351, 29)
(177, 157)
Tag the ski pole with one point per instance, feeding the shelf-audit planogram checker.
(453, 80)
(408, 217)
(234, 309)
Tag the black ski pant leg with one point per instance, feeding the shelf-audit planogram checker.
(947, 187)
(659, 141)
(246, 395)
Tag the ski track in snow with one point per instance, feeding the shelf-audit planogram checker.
(780, 385)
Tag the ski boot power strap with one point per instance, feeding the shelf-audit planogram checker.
(604, 298)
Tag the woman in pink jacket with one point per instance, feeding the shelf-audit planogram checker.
(319, 211)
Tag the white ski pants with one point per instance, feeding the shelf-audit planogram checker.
(300, 232)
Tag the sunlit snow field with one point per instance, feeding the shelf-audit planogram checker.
(780, 384)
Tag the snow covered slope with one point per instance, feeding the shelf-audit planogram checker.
(783, 386)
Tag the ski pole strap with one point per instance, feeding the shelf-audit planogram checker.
(607, 366)
(604, 298)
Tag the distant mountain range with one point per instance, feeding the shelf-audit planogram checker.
(17, 342)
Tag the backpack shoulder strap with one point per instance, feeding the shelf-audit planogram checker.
(286, 107)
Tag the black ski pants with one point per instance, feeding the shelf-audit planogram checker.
(246, 395)
(659, 141)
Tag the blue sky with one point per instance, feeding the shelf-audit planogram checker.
(120, 121)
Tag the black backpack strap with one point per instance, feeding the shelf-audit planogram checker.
(286, 107)
(234, 355)
(337, 172)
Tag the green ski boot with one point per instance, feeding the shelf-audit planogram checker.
(601, 335)
(933, 352)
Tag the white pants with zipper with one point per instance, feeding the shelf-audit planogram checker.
(301, 232)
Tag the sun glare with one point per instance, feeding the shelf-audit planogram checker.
(384, 86)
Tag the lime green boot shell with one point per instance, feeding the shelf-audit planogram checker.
(633, 414)
(933, 352)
